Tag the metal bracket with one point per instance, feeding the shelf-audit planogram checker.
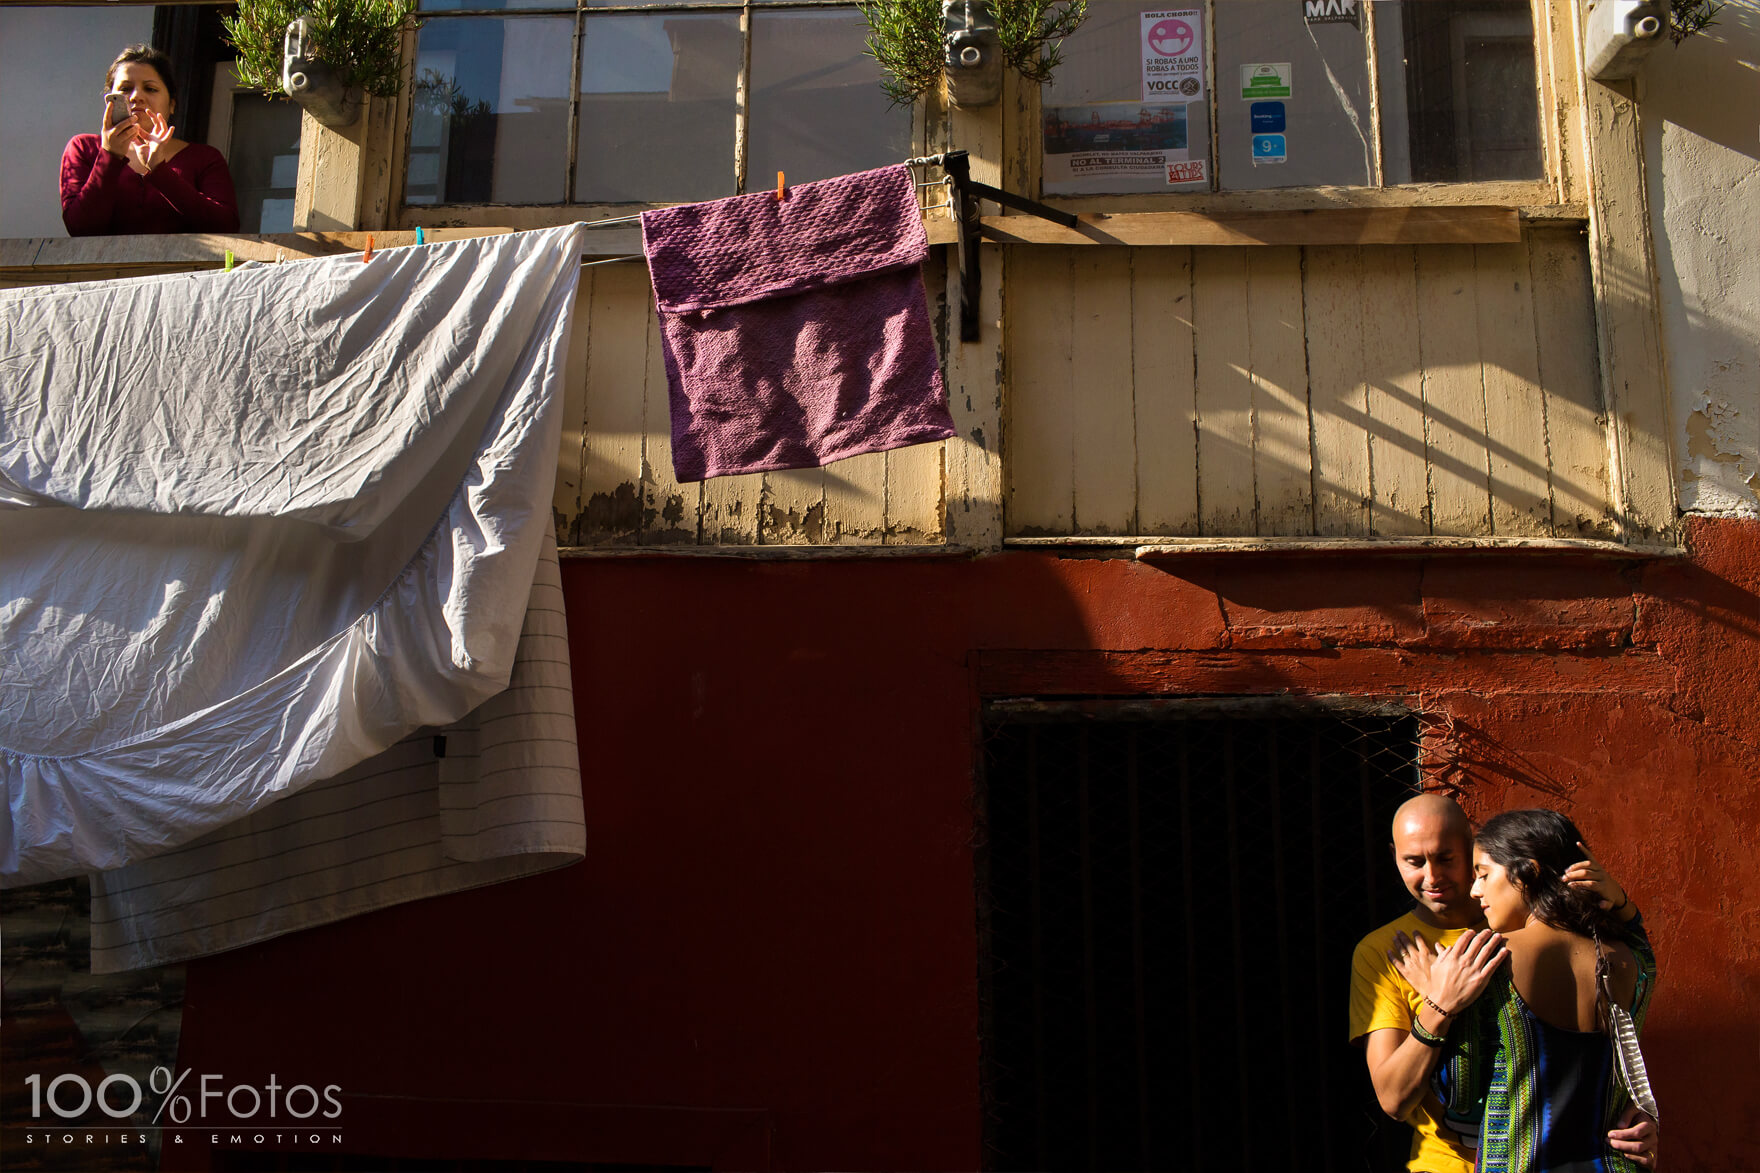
(966, 194)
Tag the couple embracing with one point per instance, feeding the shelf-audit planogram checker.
(1490, 1014)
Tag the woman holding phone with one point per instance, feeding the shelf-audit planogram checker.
(1530, 1063)
(133, 176)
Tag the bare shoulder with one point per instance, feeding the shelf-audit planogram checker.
(1623, 971)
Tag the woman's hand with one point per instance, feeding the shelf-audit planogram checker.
(1459, 974)
(1413, 956)
(1590, 876)
(118, 138)
(148, 148)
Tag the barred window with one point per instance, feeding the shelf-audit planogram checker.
(1169, 896)
(535, 102)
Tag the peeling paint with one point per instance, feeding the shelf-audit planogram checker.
(619, 511)
(810, 525)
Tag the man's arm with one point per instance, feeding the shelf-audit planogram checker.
(1400, 1068)
(1448, 983)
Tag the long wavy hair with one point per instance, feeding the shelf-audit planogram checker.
(1536, 847)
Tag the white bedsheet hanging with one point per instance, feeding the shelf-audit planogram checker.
(257, 527)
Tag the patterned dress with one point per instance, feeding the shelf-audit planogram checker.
(1541, 1098)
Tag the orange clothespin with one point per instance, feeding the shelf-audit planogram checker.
(780, 193)
(368, 255)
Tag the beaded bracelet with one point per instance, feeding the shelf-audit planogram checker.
(1424, 1036)
(1435, 1007)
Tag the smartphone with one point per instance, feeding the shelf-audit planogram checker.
(116, 108)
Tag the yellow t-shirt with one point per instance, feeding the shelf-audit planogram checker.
(1380, 998)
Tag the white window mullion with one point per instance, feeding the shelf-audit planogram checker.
(743, 100)
(574, 104)
(1376, 175)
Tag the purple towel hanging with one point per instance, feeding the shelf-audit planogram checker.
(794, 329)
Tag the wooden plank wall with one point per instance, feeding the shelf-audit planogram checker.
(615, 484)
(1373, 391)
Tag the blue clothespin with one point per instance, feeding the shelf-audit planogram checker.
(419, 237)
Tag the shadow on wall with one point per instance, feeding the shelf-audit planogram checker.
(1700, 106)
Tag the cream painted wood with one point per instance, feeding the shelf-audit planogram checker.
(566, 502)
(916, 477)
(1102, 407)
(670, 511)
(1634, 374)
(1338, 393)
(1283, 491)
(332, 178)
(973, 459)
(730, 510)
(1576, 420)
(616, 380)
(1382, 392)
(792, 509)
(1166, 404)
(1220, 312)
(855, 501)
(1515, 406)
(1041, 496)
(1454, 391)
(1393, 374)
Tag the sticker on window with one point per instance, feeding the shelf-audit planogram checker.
(1113, 139)
(1330, 12)
(1191, 171)
(1265, 80)
(1173, 55)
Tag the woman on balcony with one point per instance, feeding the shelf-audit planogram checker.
(133, 176)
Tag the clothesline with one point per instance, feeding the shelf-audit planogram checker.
(920, 161)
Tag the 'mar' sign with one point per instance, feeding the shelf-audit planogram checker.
(1330, 11)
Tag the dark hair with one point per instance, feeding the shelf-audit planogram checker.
(1536, 847)
(144, 55)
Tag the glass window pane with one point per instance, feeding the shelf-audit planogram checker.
(1276, 67)
(817, 109)
(264, 159)
(472, 5)
(657, 107)
(51, 75)
(490, 117)
(1459, 100)
(1101, 131)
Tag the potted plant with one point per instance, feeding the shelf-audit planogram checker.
(916, 41)
(323, 54)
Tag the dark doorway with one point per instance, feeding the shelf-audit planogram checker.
(1169, 895)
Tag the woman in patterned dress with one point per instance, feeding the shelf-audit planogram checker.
(1530, 1065)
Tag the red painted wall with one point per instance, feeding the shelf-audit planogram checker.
(769, 955)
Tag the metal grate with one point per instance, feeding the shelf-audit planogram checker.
(1169, 895)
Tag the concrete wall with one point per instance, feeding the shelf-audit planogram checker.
(1701, 119)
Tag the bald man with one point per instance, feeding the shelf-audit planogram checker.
(1433, 849)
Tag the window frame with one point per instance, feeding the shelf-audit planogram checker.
(484, 215)
(1559, 194)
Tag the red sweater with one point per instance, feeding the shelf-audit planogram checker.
(189, 192)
